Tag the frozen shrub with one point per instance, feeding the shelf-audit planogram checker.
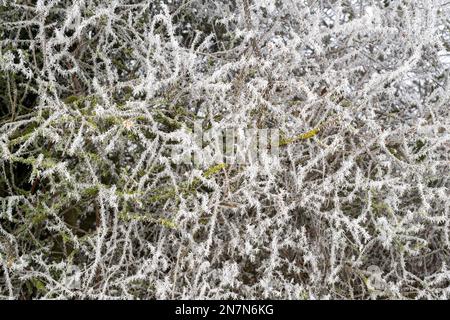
(96, 94)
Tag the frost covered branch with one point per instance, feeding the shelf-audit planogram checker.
(95, 95)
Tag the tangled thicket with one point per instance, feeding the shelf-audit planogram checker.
(95, 93)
